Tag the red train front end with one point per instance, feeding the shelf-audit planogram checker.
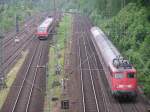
(124, 83)
(43, 29)
(42, 35)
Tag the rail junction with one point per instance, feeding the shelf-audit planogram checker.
(87, 87)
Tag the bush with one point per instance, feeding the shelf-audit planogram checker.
(55, 84)
(55, 98)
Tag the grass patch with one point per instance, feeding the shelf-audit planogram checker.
(10, 78)
(56, 56)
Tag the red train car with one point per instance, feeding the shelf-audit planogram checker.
(121, 75)
(43, 29)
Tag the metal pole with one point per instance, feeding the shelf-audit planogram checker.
(54, 8)
(47, 86)
(54, 5)
(2, 76)
(17, 24)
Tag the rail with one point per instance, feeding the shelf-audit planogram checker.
(82, 78)
(33, 83)
(23, 82)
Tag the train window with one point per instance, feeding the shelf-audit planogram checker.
(41, 29)
(119, 76)
(130, 75)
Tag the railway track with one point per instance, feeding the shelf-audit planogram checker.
(98, 72)
(10, 38)
(103, 100)
(95, 92)
(30, 81)
(36, 56)
(12, 58)
(28, 90)
(130, 106)
(12, 49)
(89, 93)
(89, 97)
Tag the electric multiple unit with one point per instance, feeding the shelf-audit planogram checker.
(43, 29)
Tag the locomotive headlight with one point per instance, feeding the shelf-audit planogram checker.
(120, 86)
(124, 86)
(129, 86)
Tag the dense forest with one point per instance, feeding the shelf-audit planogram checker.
(127, 23)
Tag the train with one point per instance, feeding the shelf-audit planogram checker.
(120, 73)
(44, 28)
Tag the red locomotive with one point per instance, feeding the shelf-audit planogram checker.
(121, 75)
(43, 29)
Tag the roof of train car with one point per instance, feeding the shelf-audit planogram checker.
(104, 45)
(107, 48)
(46, 23)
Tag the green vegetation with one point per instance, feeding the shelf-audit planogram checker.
(8, 13)
(22, 8)
(56, 56)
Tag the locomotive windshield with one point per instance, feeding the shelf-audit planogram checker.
(41, 29)
(130, 75)
(119, 75)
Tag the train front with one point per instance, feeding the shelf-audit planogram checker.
(42, 32)
(124, 82)
(43, 29)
